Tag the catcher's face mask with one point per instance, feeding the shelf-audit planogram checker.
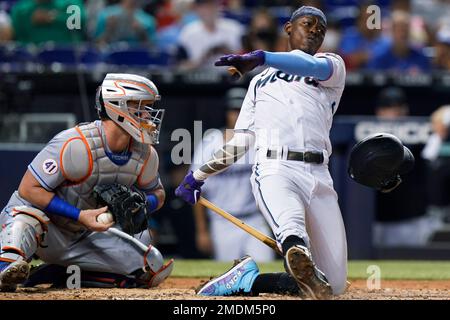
(148, 117)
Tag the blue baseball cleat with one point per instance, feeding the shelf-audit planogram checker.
(236, 281)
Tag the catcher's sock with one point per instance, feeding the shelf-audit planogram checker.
(280, 282)
(290, 242)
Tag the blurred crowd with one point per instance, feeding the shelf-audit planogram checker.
(411, 36)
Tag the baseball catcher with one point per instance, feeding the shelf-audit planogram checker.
(379, 160)
(106, 165)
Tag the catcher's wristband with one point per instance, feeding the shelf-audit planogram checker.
(152, 202)
(61, 208)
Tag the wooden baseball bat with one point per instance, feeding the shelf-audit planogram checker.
(240, 224)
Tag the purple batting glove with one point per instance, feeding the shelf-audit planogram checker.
(189, 190)
(242, 62)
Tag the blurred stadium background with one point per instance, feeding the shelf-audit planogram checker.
(49, 74)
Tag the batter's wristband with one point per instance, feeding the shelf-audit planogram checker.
(61, 208)
(152, 202)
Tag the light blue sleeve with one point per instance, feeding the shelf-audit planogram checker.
(300, 63)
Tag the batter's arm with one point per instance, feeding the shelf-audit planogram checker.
(295, 62)
(230, 153)
(300, 63)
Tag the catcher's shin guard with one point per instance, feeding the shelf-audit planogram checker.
(20, 238)
(154, 271)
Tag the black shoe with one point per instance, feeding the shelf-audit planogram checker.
(310, 279)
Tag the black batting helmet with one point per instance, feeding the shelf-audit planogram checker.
(378, 160)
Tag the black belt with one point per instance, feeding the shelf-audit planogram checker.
(308, 156)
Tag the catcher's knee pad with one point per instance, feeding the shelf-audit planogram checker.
(155, 271)
(20, 238)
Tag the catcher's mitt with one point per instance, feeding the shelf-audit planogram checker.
(127, 205)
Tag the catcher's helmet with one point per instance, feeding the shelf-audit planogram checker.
(378, 161)
(142, 122)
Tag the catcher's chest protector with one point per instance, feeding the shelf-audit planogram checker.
(102, 171)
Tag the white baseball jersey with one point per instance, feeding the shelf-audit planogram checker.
(292, 110)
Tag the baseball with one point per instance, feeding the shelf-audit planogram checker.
(105, 218)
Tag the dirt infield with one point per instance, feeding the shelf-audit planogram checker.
(183, 289)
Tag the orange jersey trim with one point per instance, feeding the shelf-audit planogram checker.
(61, 163)
(91, 161)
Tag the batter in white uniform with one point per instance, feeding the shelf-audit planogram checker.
(222, 238)
(288, 111)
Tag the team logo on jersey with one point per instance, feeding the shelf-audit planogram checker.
(50, 166)
(274, 76)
